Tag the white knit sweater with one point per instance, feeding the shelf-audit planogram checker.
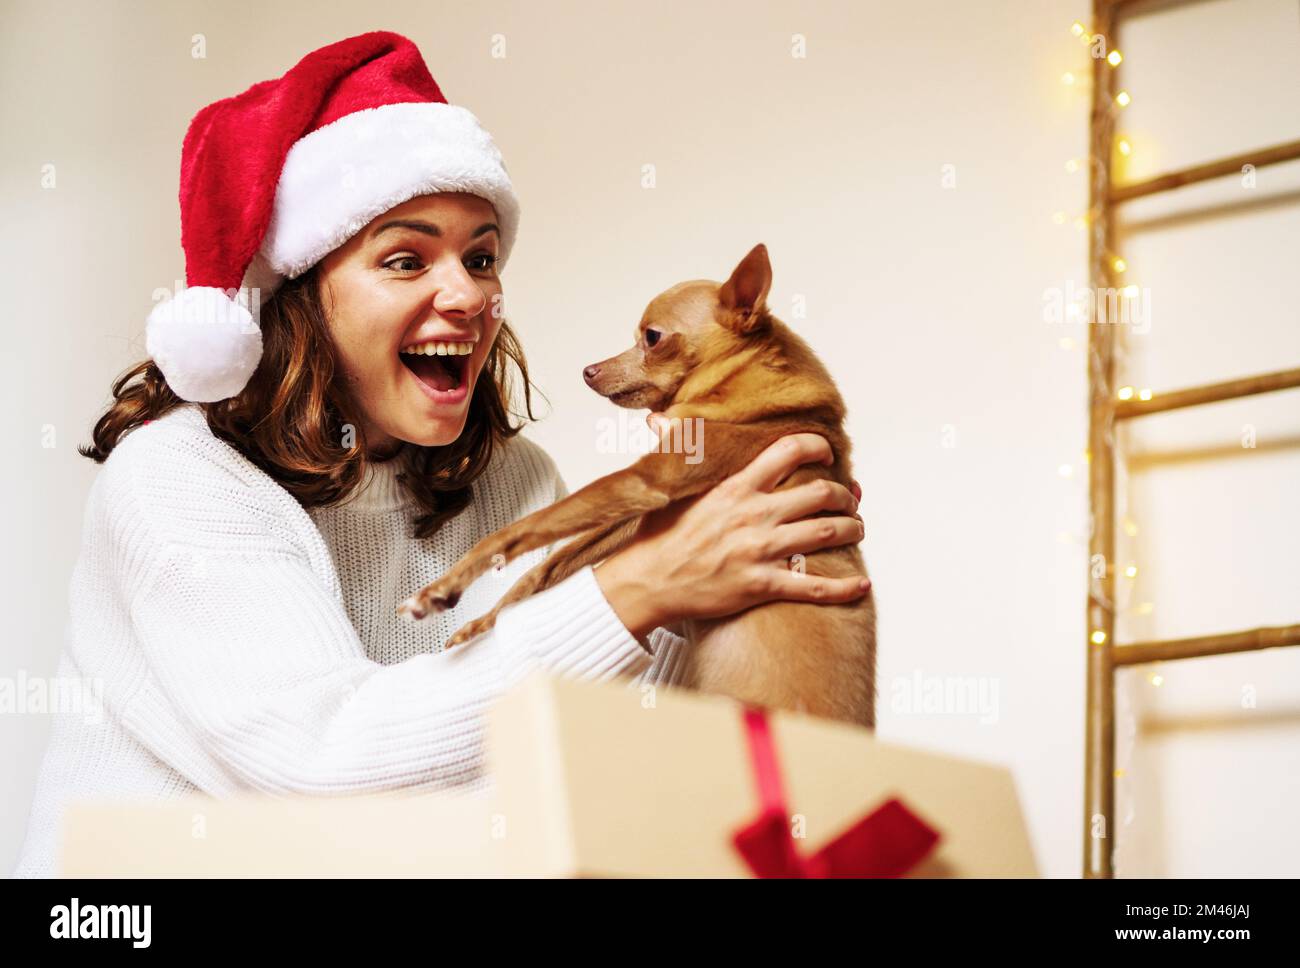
(237, 642)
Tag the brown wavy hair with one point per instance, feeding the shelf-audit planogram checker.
(290, 419)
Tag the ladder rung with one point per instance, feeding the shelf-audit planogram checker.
(1211, 393)
(1214, 169)
(1265, 638)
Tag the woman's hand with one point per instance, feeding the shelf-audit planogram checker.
(731, 548)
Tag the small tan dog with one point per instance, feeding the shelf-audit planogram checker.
(715, 356)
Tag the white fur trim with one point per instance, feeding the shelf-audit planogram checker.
(206, 345)
(338, 178)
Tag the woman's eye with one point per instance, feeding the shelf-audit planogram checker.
(403, 263)
(652, 337)
(409, 263)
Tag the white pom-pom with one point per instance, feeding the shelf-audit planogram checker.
(205, 343)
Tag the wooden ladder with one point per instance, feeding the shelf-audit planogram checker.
(1106, 407)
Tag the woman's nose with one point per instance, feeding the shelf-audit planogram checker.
(459, 295)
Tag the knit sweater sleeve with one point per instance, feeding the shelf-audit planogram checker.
(255, 676)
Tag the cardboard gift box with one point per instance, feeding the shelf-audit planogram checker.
(600, 780)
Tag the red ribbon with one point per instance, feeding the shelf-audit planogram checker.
(888, 842)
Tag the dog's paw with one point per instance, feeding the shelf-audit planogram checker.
(427, 600)
(470, 630)
(460, 638)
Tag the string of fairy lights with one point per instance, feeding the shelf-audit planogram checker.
(1074, 312)
(1123, 146)
(1128, 602)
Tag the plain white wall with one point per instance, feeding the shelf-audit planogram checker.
(921, 285)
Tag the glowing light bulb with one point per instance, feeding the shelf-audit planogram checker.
(1126, 393)
(1144, 394)
(1119, 265)
(1098, 637)
(1065, 470)
(1130, 292)
(1157, 680)
(1113, 58)
(1076, 28)
(1067, 78)
(1131, 571)
(1125, 147)
(1072, 165)
(1122, 99)
(1130, 527)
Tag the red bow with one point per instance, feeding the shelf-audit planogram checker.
(888, 842)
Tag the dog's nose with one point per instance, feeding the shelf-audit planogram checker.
(590, 373)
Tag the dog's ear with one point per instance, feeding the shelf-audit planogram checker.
(744, 295)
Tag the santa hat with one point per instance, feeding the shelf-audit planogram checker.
(277, 177)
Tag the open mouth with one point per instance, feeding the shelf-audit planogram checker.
(444, 374)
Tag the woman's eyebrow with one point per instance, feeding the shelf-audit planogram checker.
(428, 228)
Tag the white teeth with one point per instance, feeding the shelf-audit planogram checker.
(440, 348)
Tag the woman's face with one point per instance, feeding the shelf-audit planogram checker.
(422, 275)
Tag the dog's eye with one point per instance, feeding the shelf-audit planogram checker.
(651, 337)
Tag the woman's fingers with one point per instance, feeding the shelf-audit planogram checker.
(813, 534)
(856, 488)
(808, 498)
(781, 458)
(798, 586)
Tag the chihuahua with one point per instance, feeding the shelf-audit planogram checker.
(712, 355)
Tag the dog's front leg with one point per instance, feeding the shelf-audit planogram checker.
(602, 504)
(653, 482)
(594, 546)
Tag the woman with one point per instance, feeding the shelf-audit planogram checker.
(272, 487)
